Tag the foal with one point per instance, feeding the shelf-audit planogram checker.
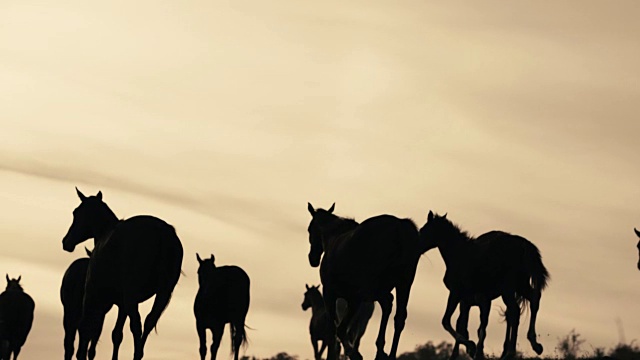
(72, 296)
(16, 318)
(321, 328)
(482, 269)
(223, 297)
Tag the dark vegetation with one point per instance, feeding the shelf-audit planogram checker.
(570, 347)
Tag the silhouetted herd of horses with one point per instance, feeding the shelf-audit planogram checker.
(360, 263)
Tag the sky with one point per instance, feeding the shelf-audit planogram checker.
(226, 118)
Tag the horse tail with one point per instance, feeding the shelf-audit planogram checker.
(536, 271)
(239, 331)
(171, 254)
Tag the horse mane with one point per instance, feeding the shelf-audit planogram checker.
(455, 228)
(15, 287)
(343, 224)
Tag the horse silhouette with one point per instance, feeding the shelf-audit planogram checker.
(483, 268)
(16, 318)
(132, 260)
(222, 298)
(322, 329)
(320, 326)
(638, 246)
(364, 263)
(71, 295)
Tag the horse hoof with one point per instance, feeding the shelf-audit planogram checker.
(471, 348)
(537, 348)
(381, 355)
(479, 355)
(355, 356)
(507, 356)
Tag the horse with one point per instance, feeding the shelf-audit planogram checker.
(223, 298)
(320, 326)
(638, 246)
(71, 296)
(364, 263)
(132, 260)
(16, 318)
(483, 268)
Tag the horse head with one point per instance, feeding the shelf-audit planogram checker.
(638, 246)
(206, 268)
(319, 218)
(431, 232)
(308, 296)
(89, 220)
(14, 283)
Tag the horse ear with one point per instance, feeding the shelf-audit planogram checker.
(19, 278)
(88, 251)
(444, 216)
(213, 258)
(307, 286)
(333, 207)
(99, 195)
(312, 211)
(636, 231)
(7, 277)
(430, 217)
(198, 257)
(80, 195)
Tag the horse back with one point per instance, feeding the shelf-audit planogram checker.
(225, 297)
(141, 254)
(72, 288)
(488, 262)
(372, 259)
(16, 316)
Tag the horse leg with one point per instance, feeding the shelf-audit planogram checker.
(461, 328)
(70, 323)
(159, 304)
(16, 352)
(117, 333)
(485, 308)
(333, 352)
(513, 320)
(96, 336)
(316, 354)
(386, 302)
(362, 320)
(402, 301)
(343, 333)
(218, 331)
(202, 337)
(90, 325)
(135, 325)
(452, 303)
(321, 351)
(533, 295)
(507, 337)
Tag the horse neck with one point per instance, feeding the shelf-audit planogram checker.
(17, 288)
(317, 303)
(105, 226)
(337, 228)
(450, 248)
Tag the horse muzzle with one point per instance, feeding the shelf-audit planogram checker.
(314, 260)
(66, 246)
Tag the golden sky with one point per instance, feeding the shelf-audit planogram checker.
(225, 118)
